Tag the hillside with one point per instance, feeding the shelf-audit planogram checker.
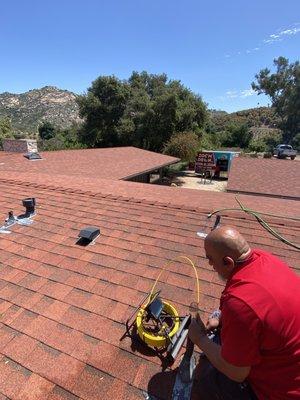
(27, 110)
(259, 118)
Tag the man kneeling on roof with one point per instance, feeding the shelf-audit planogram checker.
(258, 355)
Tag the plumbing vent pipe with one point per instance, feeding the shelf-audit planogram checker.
(29, 204)
(11, 219)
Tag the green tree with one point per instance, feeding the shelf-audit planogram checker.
(102, 108)
(69, 137)
(170, 108)
(183, 145)
(236, 136)
(296, 142)
(46, 131)
(267, 142)
(63, 139)
(144, 111)
(283, 87)
(5, 129)
(257, 145)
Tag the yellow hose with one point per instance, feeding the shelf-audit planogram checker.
(164, 268)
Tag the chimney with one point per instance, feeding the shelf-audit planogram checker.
(19, 145)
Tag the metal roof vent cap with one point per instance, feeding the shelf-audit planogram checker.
(88, 235)
(33, 156)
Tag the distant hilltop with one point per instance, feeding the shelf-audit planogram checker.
(261, 120)
(28, 110)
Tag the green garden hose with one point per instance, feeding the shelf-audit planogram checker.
(261, 221)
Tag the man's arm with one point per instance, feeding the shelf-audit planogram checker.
(197, 333)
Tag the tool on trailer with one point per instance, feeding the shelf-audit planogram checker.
(158, 323)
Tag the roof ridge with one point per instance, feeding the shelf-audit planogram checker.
(94, 193)
(157, 195)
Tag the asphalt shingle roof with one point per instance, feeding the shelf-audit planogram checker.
(272, 177)
(109, 163)
(63, 306)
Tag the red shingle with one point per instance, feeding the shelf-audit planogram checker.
(7, 334)
(19, 348)
(36, 388)
(13, 378)
(280, 178)
(92, 384)
(59, 393)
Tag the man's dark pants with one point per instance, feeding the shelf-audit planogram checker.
(213, 385)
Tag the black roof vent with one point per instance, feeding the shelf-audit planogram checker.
(29, 204)
(88, 235)
(33, 156)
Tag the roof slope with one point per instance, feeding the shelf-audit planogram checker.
(277, 178)
(63, 306)
(109, 163)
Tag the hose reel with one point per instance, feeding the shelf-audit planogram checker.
(158, 323)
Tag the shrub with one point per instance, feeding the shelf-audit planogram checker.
(183, 145)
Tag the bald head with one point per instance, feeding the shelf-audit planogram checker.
(225, 246)
(228, 242)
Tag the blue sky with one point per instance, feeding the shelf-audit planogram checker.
(214, 47)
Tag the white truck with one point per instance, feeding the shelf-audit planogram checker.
(284, 151)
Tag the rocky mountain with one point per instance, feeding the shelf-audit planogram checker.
(28, 110)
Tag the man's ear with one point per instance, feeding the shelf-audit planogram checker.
(228, 262)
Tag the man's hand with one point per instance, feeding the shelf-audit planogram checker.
(197, 330)
(212, 323)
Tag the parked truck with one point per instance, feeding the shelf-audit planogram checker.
(284, 151)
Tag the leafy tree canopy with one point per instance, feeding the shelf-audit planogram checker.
(61, 139)
(46, 131)
(5, 129)
(237, 136)
(144, 111)
(283, 87)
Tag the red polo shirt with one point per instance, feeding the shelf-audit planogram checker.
(261, 325)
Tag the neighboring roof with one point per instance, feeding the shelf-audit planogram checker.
(63, 307)
(109, 163)
(276, 178)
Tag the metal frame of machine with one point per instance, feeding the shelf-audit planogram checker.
(163, 337)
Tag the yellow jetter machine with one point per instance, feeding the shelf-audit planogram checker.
(158, 323)
(159, 326)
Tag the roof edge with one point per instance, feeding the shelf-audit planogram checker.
(277, 196)
(125, 178)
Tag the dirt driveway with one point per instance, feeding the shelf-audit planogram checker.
(188, 179)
